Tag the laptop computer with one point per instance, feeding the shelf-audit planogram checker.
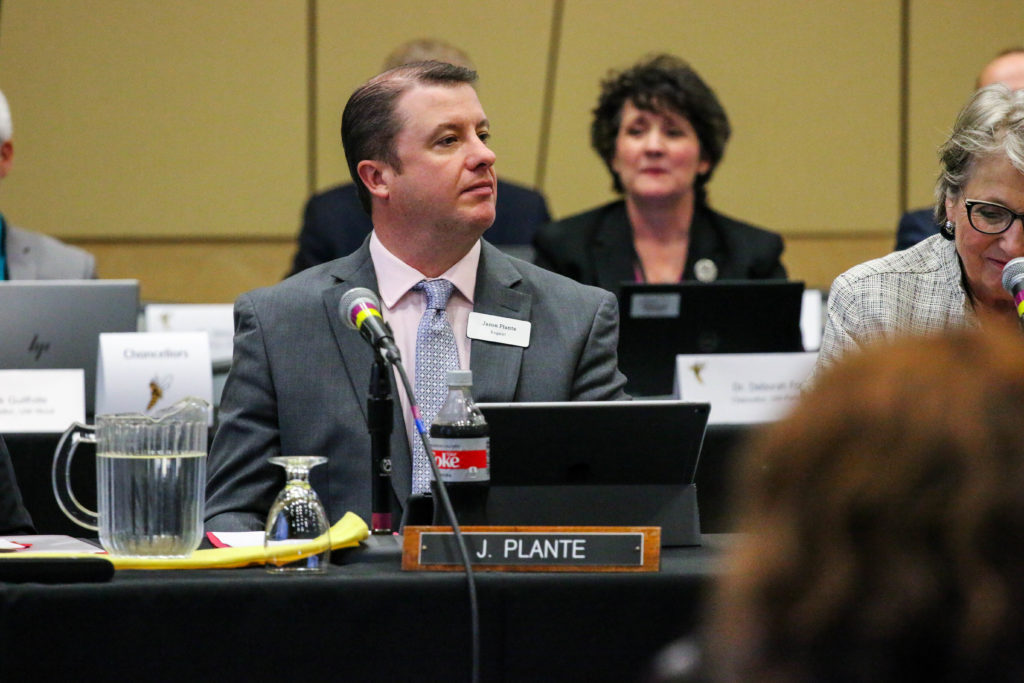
(659, 321)
(55, 324)
(597, 463)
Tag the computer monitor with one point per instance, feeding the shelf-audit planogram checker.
(55, 324)
(659, 321)
(597, 463)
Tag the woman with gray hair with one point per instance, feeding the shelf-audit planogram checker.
(953, 279)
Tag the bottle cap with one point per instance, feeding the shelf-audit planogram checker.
(460, 378)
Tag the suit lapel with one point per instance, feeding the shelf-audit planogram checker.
(705, 243)
(614, 255)
(496, 366)
(357, 357)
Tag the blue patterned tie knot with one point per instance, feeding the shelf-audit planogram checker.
(436, 354)
(438, 292)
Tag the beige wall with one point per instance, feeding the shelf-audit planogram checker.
(950, 42)
(178, 141)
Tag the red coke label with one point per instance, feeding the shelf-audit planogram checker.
(463, 460)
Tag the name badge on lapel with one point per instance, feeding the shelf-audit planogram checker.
(494, 328)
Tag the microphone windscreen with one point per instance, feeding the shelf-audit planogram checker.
(351, 301)
(1013, 274)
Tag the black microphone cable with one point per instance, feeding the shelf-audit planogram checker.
(360, 309)
(442, 490)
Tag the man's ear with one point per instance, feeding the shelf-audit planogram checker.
(376, 176)
(6, 158)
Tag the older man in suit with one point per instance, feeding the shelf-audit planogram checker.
(26, 255)
(415, 138)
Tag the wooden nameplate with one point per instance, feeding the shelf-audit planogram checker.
(535, 548)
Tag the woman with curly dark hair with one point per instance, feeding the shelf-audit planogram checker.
(661, 132)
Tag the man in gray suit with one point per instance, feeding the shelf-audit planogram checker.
(415, 140)
(26, 255)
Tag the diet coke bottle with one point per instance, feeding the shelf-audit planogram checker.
(462, 450)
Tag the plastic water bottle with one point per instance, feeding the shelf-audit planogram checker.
(462, 450)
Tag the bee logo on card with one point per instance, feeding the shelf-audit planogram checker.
(157, 387)
(698, 368)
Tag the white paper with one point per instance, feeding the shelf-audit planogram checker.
(145, 372)
(237, 539)
(744, 388)
(41, 401)
(217, 320)
(53, 543)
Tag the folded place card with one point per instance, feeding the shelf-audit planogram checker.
(744, 388)
(145, 372)
(41, 401)
(217, 320)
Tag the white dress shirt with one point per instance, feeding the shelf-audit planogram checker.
(403, 308)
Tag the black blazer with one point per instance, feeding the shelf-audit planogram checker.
(334, 223)
(14, 518)
(596, 247)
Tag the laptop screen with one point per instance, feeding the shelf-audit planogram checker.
(595, 442)
(55, 324)
(657, 322)
(618, 463)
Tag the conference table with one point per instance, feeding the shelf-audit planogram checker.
(364, 620)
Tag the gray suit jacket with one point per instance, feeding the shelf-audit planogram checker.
(34, 256)
(299, 378)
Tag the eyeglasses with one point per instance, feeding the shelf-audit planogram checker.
(990, 218)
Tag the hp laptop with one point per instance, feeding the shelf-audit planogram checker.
(55, 324)
(657, 322)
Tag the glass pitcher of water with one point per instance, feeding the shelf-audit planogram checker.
(150, 479)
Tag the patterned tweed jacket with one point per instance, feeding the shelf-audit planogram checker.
(919, 290)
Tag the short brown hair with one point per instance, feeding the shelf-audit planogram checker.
(369, 124)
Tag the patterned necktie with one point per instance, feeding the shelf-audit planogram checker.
(436, 354)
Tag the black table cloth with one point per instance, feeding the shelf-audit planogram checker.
(364, 620)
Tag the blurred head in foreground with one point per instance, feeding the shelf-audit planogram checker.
(884, 523)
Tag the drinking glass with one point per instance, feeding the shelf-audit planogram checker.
(297, 516)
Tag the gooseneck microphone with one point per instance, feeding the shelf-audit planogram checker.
(360, 309)
(1013, 282)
